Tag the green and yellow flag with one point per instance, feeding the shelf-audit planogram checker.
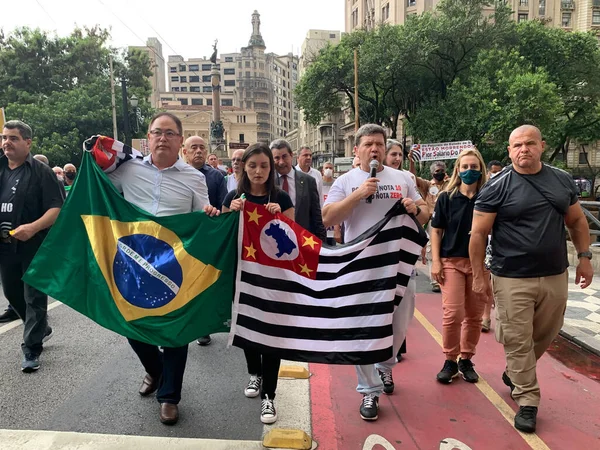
(161, 280)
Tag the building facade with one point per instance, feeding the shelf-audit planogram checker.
(157, 64)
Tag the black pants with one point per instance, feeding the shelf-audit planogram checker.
(30, 304)
(402, 350)
(168, 367)
(264, 366)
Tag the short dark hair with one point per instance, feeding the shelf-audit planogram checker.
(244, 184)
(494, 162)
(369, 129)
(171, 116)
(304, 147)
(212, 154)
(24, 129)
(281, 143)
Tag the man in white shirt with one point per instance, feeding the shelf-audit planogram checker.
(304, 164)
(346, 203)
(162, 184)
(238, 167)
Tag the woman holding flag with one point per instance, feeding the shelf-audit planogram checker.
(451, 268)
(257, 184)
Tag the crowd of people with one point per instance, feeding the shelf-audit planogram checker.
(516, 213)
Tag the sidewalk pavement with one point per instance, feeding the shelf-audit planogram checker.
(582, 318)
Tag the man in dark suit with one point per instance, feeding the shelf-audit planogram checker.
(301, 187)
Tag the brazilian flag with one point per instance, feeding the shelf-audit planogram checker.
(161, 280)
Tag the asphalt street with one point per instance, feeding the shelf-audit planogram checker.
(89, 378)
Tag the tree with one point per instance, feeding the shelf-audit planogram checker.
(67, 98)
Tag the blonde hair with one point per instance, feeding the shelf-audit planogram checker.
(455, 181)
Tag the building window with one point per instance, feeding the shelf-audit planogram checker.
(205, 67)
(385, 13)
(194, 79)
(175, 89)
(247, 74)
(247, 64)
(206, 78)
(229, 82)
(411, 3)
(197, 101)
(228, 71)
(183, 89)
(193, 67)
(229, 59)
(542, 8)
(194, 88)
(566, 19)
(209, 102)
(173, 69)
(522, 18)
(582, 158)
(206, 88)
(524, 3)
(174, 78)
(227, 102)
(355, 18)
(596, 17)
(183, 79)
(184, 101)
(182, 68)
(242, 137)
(331, 35)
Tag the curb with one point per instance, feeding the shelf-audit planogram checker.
(587, 343)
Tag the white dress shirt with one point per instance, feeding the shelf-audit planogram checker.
(291, 177)
(178, 189)
(318, 177)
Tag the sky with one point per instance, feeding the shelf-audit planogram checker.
(185, 27)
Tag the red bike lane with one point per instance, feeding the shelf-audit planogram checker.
(424, 414)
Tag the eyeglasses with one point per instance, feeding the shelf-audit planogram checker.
(236, 159)
(169, 134)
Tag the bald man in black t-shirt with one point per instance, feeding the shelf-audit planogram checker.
(526, 208)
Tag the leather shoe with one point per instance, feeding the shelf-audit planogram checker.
(8, 316)
(169, 413)
(149, 385)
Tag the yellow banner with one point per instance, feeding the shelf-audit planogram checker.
(2, 119)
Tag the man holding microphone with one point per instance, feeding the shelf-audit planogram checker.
(360, 199)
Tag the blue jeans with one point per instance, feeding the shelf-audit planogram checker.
(369, 381)
(167, 367)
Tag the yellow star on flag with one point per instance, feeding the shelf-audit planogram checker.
(304, 269)
(309, 241)
(254, 216)
(251, 251)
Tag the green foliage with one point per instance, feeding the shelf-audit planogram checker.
(60, 86)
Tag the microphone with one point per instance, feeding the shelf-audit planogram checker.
(374, 165)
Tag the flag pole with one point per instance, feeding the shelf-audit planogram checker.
(112, 98)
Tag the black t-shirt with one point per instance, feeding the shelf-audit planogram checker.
(454, 215)
(282, 199)
(9, 183)
(528, 236)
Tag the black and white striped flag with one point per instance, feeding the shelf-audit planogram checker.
(338, 312)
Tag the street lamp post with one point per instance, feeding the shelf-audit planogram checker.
(136, 111)
(125, 112)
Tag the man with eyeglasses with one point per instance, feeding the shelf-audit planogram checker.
(238, 168)
(194, 150)
(163, 185)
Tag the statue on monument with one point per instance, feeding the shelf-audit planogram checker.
(213, 58)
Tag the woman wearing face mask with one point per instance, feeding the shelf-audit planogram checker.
(257, 184)
(450, 234)
(334, 233)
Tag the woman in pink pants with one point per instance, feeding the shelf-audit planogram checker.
(450, 234)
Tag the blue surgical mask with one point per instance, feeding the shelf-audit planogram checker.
(470, 176)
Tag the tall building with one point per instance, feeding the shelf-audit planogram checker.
(325, 139)
(157, 64)
(251, 80)
(573, 15)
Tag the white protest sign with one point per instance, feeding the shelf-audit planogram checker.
(441, 150)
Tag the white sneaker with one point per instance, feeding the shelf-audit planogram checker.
(253, 388)
(268, 414)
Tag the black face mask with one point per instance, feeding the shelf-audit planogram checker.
(70, 175)
(439, 176)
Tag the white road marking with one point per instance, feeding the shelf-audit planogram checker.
(18, 322)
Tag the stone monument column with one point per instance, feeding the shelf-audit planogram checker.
(217, 140)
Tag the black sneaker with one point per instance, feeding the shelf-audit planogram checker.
(253, 388)
(508, 382)
(525, 419)
(8, 316)
(369, 407)
(388, 382)
(30, 363)
(268, 413)
(465, 367)
(204, 341)
(49, 333)
(448, 372)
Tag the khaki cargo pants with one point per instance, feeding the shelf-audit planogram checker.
(529, 315)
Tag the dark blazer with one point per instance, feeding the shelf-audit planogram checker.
(307, 207)
(216, 184)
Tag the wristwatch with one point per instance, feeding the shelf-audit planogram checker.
(587, 255)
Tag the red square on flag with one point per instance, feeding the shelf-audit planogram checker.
(276, 241)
